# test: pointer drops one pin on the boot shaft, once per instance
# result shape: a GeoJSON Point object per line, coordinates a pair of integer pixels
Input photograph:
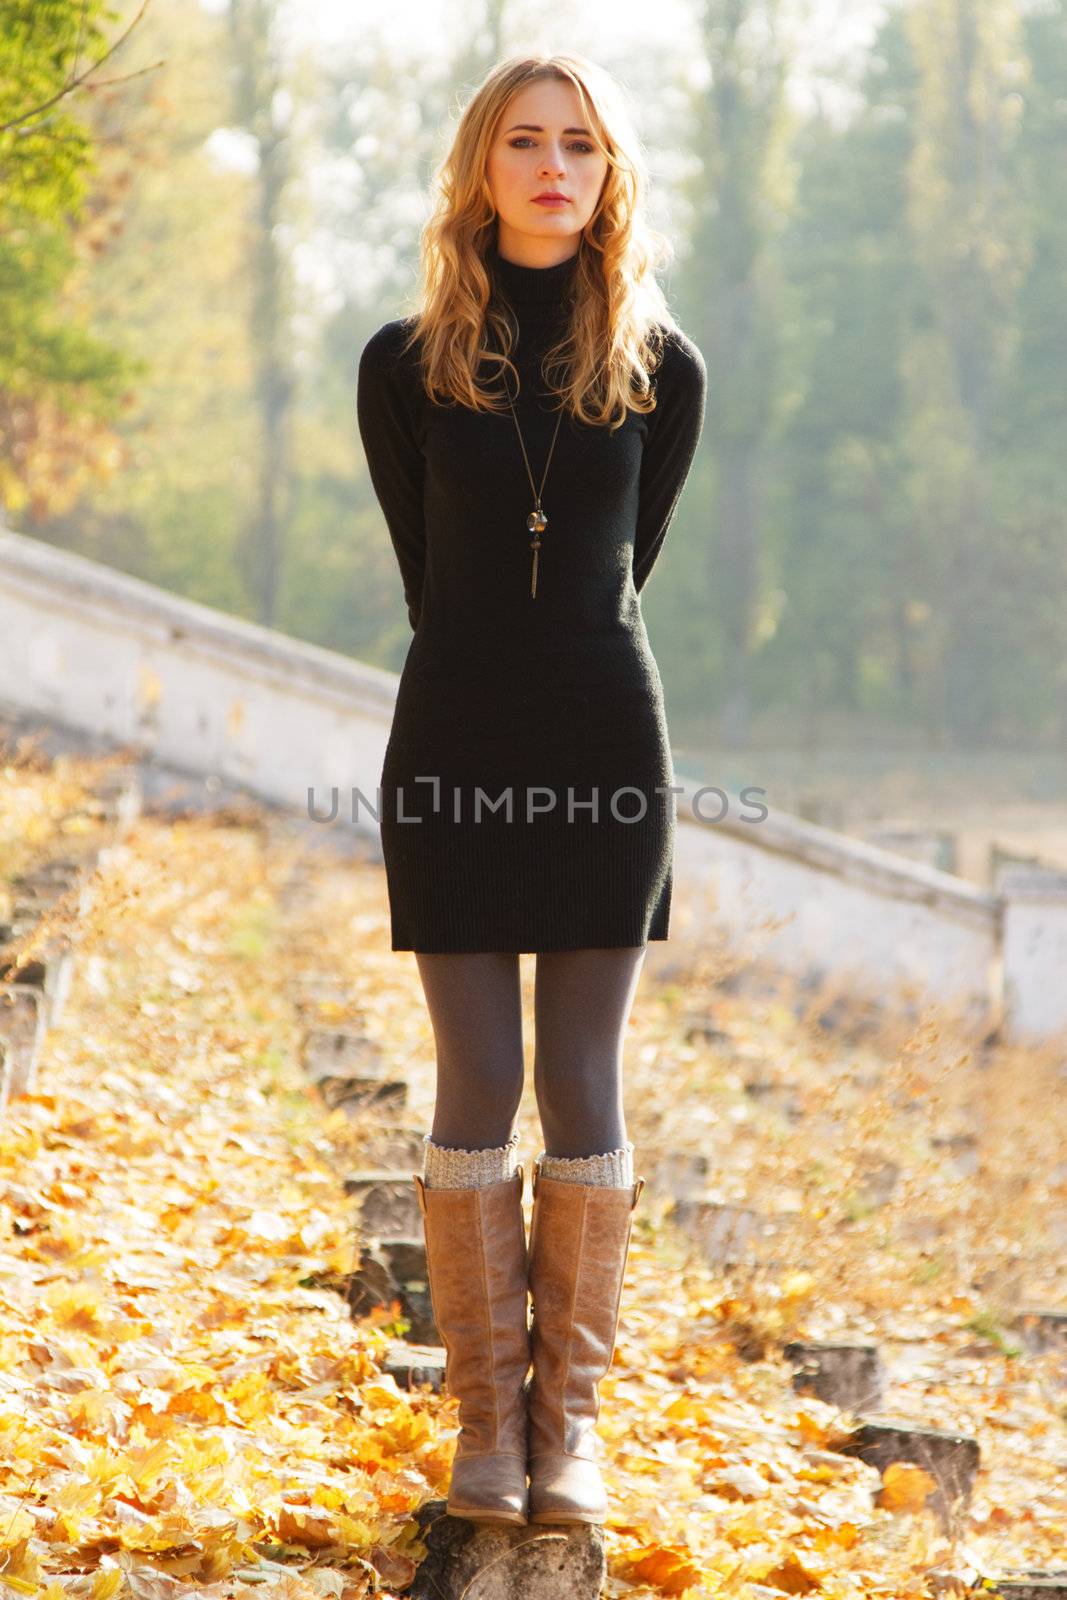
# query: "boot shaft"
{"type": "Point", "coordinates": [476, 1262]}
{"type": "Point", "coordinates": [579, 1244]}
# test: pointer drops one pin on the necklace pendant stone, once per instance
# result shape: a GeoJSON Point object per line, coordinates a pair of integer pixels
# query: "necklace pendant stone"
{"type": "Point", "coordinates": [537, 522]}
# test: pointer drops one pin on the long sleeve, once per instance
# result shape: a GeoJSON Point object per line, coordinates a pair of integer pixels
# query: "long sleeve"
{"type": "Point", "coordinates": [386, 398]}
{"type": "Point", "coordinates": [673, 433]}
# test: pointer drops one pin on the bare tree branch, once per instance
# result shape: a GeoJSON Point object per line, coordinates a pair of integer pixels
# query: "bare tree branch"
{"type": "Point", "coordinates": [75, 83]}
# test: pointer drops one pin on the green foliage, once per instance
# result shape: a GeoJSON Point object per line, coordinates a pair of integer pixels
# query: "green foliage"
{"type": "Point", "coordinates": [871, 543]}
{"type": "Point", "coordinates": [45, 152]}
{"type": "Point", "coordinates": [54, 373]}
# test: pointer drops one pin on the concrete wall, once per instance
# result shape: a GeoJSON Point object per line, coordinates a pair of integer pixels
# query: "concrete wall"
{"type": "Point", "coordinates": [820, 904]}
{"type": "Point", "coordinates": [197, 690]}
{"type": "Point", "coordinates": [1035, 952]}
{"type": "Point", "coordinates": [201, 691]}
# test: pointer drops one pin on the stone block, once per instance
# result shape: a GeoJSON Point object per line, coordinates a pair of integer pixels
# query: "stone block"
{"type": "Point", "coordinates": [22, 1029]}
{"type": "Point", "coordinates": [723, 1232]}
{"type": "Point", "coordinates": [341, 1053]}
{"type": "Point", "coordinates": [780, 1097]}
{"type": "Point", "coordinates": [388, 1203]}
{"type": "Point", "coordinates": [413, 1365]}
{"type": "Point", "coordinates": [950, 1458]}
{"type": "Point", "coordinates": [1029, 1583]}
{"type": "Point", "coordinates": [355, 1096]}
{"type": "Point", "coordinates": [391, 1147]}
{"type": "Point", "coordinates": [1043, 1328]}
{"type": "Point", "coordinates": [483, 1561]}
{"type": "Point", "coordinates": [394, 1270]}
{"type": "Point", "coordinates": [961, 1149]}
{"type": "Point", "coordinates": [698, 1029]}
{"type": "Point", "coordinates": [849, 1376]}
{"type": "Point", "coordinates": [50, 974]}
{"type": "Point", "coordinates": [682, 1176]}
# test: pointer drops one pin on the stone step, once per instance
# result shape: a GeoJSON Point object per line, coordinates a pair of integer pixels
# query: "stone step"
{"type": "Point", "coordinates": [358, 1095]}
{"type": "Point", "coordinates": [388, 1203]}
{"type": "Point", "coordinates": [32, 997]}
{"type": "Point", "coordinates": [682, 1176]}
{"type": "Point", "coordinates": [55, 875]}
{"type": "Point", "coordinates": [341, 1053]}
{"type": "Point", "coordinates": [877, 1180]}
{"type": "Point", "coordinates": [394, 1270]}
{"type": "Point", "coordinates": [700, 1029]}
{"type": "Point", "coordinates": [499, 1562]}
{"type": "Point", "coordinates": [725, 1233]}
{"type": "Point", "coordinates": [843, 1374]}
{"type": "Point", "coordinates": [413, 1365]}
{"type": "Point", "coordinates": [315, 990]}
{"type": "Point", "coordinates": [962, 1150]}
{"type": "Point", "coordinates": [394, 1148]}
{"type": "Point", "coordinates": [44, 884]}
{"type": "Point", "coordinates": [1042, 1328]}
{"type": "Point", "coordinates": [950, 1458]}
{"type": "Point", "coordinates": [50, 974]}
{"type": "Point", "coordinates": [117, 796]}
{"type": "Point", "coordinates": [778, 1096]}
{"type": "Point", "coordinates": [22, 1026]}
{"type": "Point", "coordinates": [1029, 1583]}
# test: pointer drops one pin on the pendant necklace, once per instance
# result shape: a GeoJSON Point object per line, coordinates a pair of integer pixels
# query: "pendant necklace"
{"type": "Point", "coordinates": [536, 522]}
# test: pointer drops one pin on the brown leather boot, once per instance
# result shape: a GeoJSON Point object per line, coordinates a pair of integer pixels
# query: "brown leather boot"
{"type": "Point", "coordinates": [579, 1242]}
{"type": "Point", "coordinates": [476, 1263]}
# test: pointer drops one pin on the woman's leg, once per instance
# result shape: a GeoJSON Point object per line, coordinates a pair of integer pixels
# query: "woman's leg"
{"type": "Point", "coordinates": [470, 1196]}
{"type": "Point", "coordinates": [584, 1200]}
{"type": "Point", "coordinates": [475, 1005]}
{"type": "Point", "coordinates": [582, 1001]}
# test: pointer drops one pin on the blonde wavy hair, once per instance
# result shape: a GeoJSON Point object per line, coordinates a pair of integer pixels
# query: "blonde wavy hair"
{"type": "Point", "coordinates": [613, 344]}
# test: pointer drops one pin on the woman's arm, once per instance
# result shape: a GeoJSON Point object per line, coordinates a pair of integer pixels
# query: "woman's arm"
{"type": "Point", "coordinates": [673, 432]}
{"type": "Point", "coordinates": [386, 397]}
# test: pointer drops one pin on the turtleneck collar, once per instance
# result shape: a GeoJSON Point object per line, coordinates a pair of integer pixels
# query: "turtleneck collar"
{"type": "Point", "coordinates": [531, 285]}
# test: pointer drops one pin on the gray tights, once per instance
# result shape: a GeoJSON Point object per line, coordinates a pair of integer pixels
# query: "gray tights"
{"type": "Point", "coordinates": [582, 1000]}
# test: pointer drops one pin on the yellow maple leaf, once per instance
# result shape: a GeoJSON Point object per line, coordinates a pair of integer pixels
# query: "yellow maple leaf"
{"type": "Point", "coordinates": [670, 1567]}
{"type": "Point", "coordinates": [905, 1487]}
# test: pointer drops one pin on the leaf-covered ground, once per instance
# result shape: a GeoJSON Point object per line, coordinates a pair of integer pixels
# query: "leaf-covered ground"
{"type": "Point", "coordinates": [179, 1406]}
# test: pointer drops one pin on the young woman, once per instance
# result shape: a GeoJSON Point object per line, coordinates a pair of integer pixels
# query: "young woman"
{"type": "Point", "coordinates": [528, 433]}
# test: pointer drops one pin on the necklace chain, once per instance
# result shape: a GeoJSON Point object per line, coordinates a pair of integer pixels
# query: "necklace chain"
{"type": "Point", "coordinates": [536, 522]}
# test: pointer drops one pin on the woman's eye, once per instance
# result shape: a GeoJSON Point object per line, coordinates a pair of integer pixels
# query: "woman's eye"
{"type": "Point", "coordinates": [581, 147]}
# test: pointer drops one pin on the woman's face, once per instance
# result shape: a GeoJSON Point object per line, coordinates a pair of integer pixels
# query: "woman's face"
{"type": "Point", "coordinates": [543, 145]}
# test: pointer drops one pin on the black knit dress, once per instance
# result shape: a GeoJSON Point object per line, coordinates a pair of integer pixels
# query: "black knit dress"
{"type": "Point", "coordinates": [525, 794]}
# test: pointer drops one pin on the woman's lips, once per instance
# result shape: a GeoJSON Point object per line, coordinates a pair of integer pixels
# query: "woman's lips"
{"type": "Point", "coordinates": [547, 202]}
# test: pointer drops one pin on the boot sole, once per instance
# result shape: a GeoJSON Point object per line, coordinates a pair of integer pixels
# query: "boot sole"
{"type": "Point", "coordinates": [556, 1519]}
{"type": "Point", "coordinates": [474, 1514]}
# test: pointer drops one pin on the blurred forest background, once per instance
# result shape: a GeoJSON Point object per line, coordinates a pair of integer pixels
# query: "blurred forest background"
{"type": "Point", "coordinates": [868, 573]}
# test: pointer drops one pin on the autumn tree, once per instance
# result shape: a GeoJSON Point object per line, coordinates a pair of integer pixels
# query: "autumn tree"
{"type": "Point", "coordinates": [61, 386]}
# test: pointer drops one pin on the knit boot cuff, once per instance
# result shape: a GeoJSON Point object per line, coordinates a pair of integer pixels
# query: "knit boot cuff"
{"type": "Point", "coordinates": [615, 1168]}
{"type": "Point", "coordinates": [446, 1168]}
